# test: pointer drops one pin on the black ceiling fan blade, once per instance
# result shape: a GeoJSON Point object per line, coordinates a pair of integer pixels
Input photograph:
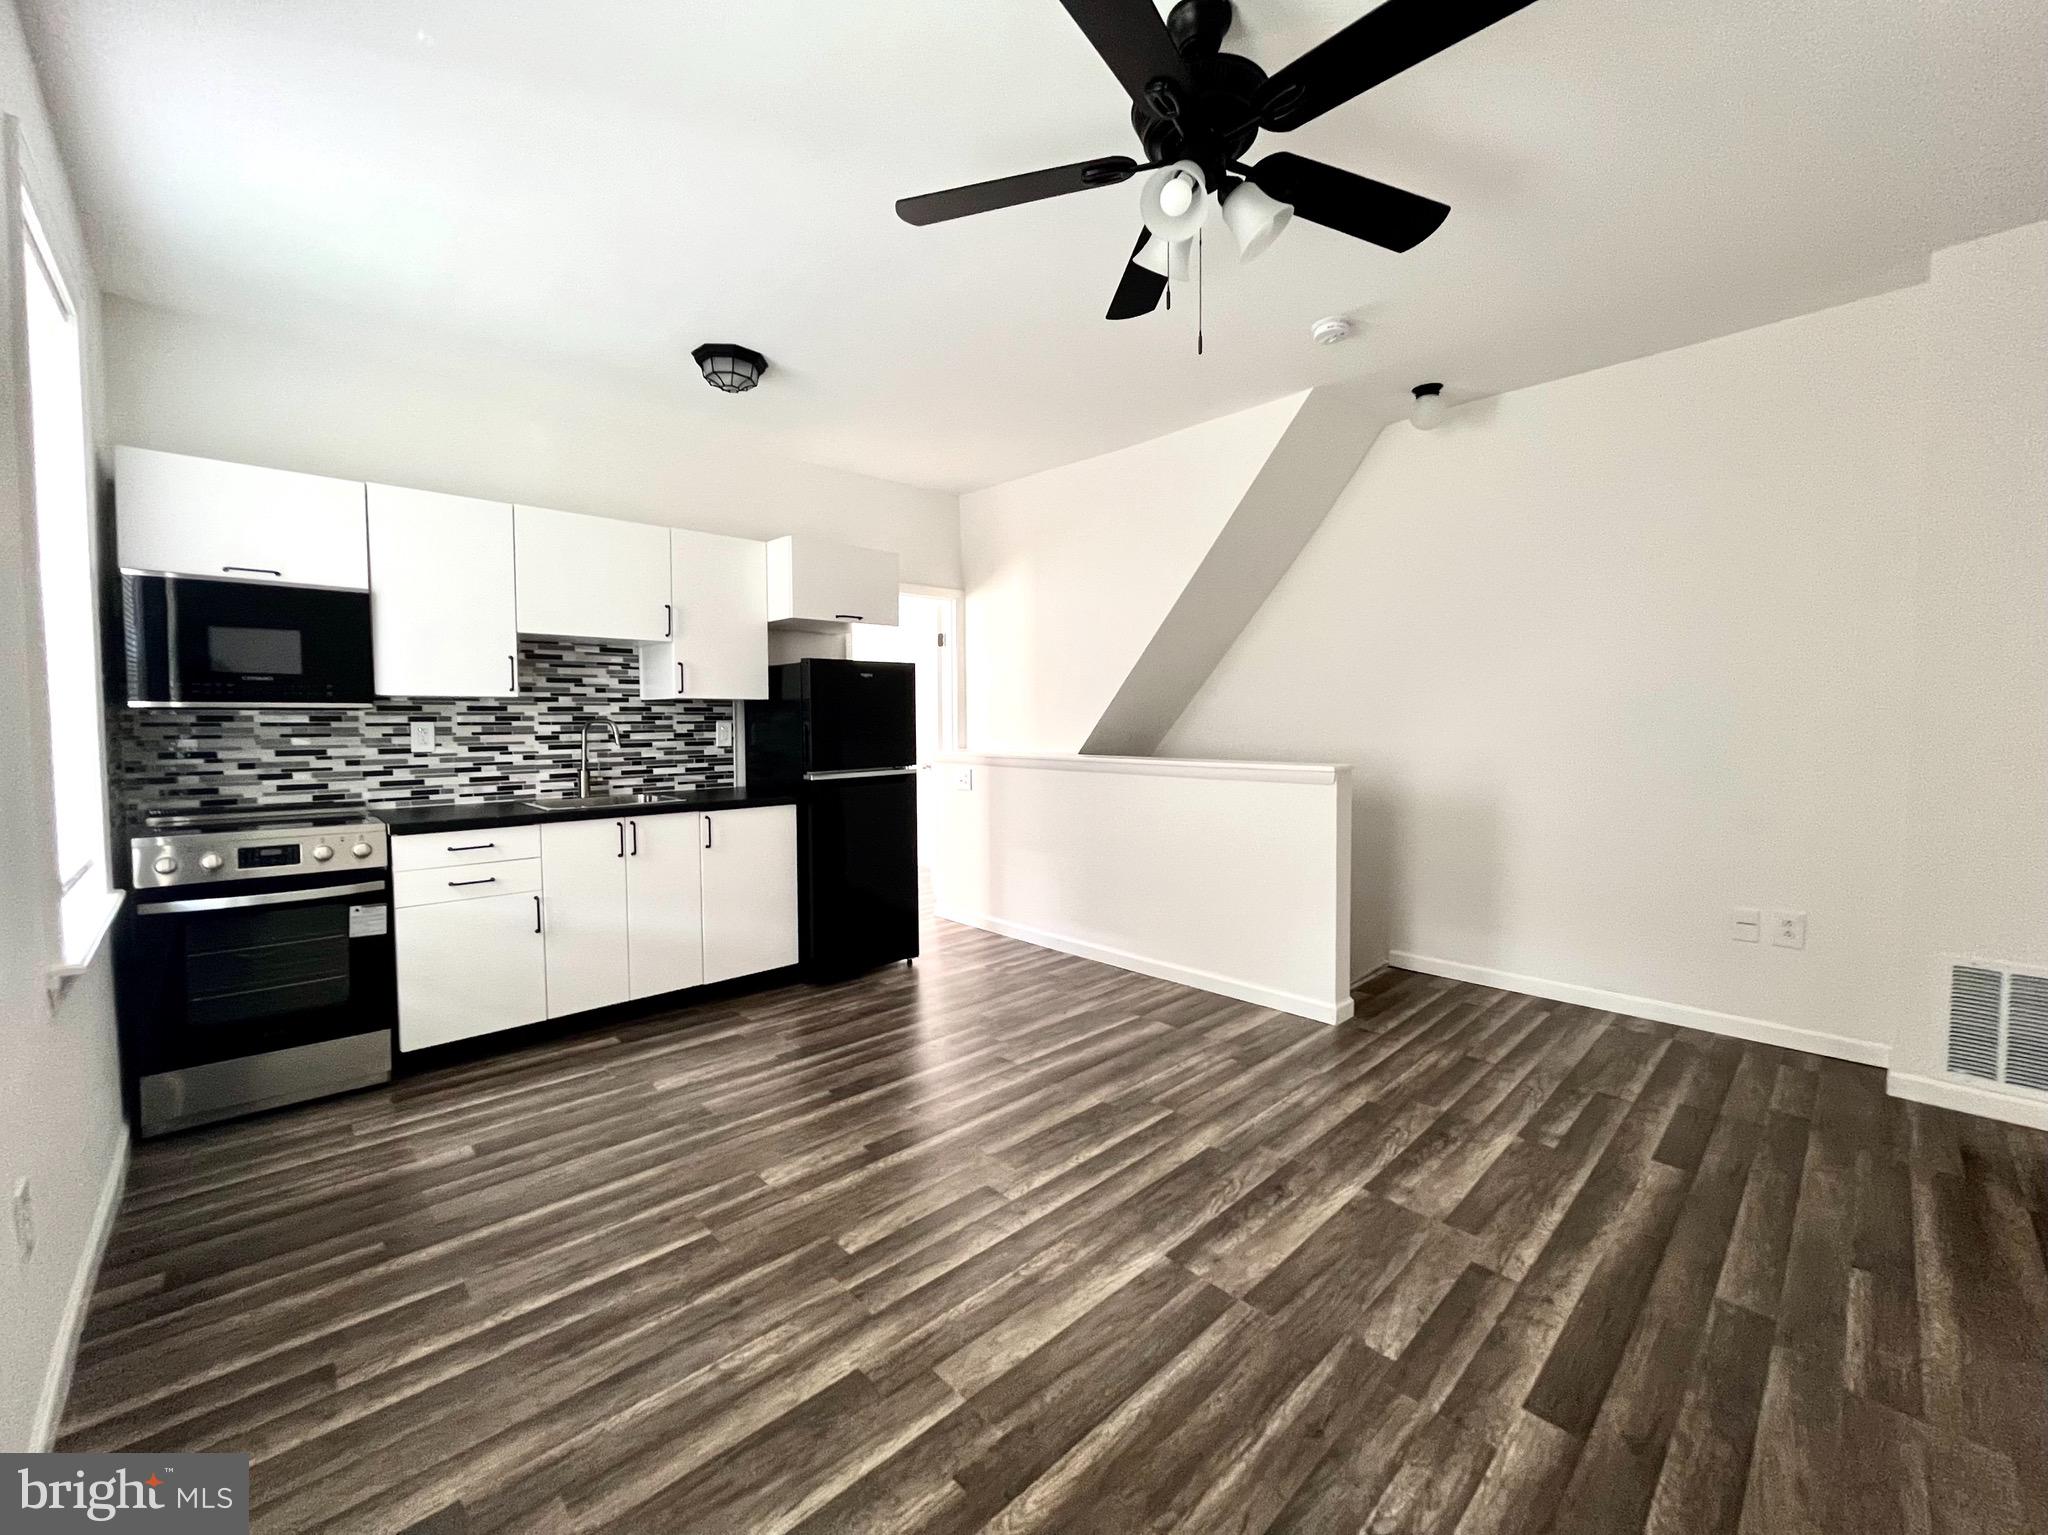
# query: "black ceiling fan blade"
{"type": "Point", "coordinates": [1134, 43]}
{"type": "Point", "coordinates": [1348, 203]}
{"type": "Point", "coordinates": [1140, 290]}
{"type": "Point", "coordinates": [1397, 35]}
{"type": "Point", "coordinates": [1031, 187]}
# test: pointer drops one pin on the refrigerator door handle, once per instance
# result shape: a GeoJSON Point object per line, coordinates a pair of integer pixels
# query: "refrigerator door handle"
{"type": "Point", "coordinates": [895, 772]}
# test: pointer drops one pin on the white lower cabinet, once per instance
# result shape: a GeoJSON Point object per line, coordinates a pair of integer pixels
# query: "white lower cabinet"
{"type": "Point", "coordinates": [583, 883]}
{"type": "Point", "coordinates": [610, 910]}
{"type": "Point", "coordinates": [469, 967]}
{"type": "Point", "coordinates": [664, 904]}
{"type": "Point", "coordinates": [749, 879]}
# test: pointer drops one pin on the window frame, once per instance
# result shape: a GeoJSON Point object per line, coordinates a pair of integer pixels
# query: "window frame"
{"type": "Point", "coordinates": [83, 899]}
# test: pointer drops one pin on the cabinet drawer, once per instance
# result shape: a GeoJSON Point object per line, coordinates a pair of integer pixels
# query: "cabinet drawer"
{"type": "Point", "coordinates": [431, 887]}
{"type": "Point", "coordinates": [449, 850]}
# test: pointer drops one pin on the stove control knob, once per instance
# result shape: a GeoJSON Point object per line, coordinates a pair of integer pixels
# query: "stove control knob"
{"type": "Point", "coordinates": [322, 852]}
{"type": "Point", "coordinates": [167, 865]}
{"type": "Point", "coordinates": [210, 862]}
{"type": "Point", "coordinates": [361, 850]}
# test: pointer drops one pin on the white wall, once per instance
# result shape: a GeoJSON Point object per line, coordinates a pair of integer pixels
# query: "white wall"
{"type": "Point", "coordinates": [1231, 877]}
{"type": "Point", "coordinates": [60, 1115]}
{"type": "Point", "coordinates": [1977, 876]}
{"type": "Point", "coordinates": [1071, 571]}
{"type": "Point", "coordinates": [1614, 655]}
{"type": "Point", "coordinates": [377, 408]}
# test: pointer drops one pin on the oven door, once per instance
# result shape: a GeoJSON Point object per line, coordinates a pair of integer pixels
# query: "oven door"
{"type": "Point", "coordinates": [235, 1002]}
{"type": "Point", "coordinates": [193, 641]}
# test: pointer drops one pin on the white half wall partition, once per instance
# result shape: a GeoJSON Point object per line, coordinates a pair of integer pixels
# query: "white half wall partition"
{"type": "Point", "coordinates": [1233, 877]}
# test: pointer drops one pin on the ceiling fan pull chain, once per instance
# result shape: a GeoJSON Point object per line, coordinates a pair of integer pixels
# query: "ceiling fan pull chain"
{"type": "Point", "coordinates": [1199, 295]}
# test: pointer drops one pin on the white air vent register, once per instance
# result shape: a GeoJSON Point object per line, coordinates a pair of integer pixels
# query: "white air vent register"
{"type": "Point", "coordinates": [1998, 1023]}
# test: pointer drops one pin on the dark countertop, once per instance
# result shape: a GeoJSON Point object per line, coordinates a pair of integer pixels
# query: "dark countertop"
{"type": "Point", "coordinates": [468, 815]}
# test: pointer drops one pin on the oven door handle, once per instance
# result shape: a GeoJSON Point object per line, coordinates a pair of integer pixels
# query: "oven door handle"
{"type": "Point", "coordinates": [274, 898]}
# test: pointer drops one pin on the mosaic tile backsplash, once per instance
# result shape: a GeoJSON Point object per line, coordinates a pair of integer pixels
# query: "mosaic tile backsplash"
{"type": "Point", "coordinates": [170, 760]}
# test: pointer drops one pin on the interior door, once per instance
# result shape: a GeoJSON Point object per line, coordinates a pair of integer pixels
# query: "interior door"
{"type": "Point", "coordinates": [583, 889]}
{"type": "Point", "coordinates": [664, 903]}
{"type": "Point", "coordinates": [927, 636]}
{"type": "Point", "coordinates": [750, 904]}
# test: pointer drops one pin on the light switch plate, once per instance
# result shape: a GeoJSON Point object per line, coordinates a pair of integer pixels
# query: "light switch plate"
{"type": "Point", "coordinates": [723, 734]}
{"type": "Point", "coordinates": [1745, 924]}
{"type": "Point", "coordinates": [422, 735]}
{"type": "Point", "coordinates": [1788, 929]}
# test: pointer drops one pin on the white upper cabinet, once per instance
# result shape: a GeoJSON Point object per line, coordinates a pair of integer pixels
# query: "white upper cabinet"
{"type": "Point", "coordinates": [441, 595]}
{"type": "Point", "coordinates": [592, 577]}
{"type": "Point", "coordinates": [813, 582]}
{"type": "Point", "coordinates": [183, 516]}
{"type": "Point", "coordinates": [720, 646]}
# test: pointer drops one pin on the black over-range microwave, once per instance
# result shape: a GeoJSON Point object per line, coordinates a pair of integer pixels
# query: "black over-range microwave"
{"type": "Point", "coordinates": [192, 641]}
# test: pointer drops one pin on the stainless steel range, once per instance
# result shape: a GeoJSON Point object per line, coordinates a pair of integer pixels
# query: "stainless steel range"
{"type": "Point", "coordinates": [255, 962]}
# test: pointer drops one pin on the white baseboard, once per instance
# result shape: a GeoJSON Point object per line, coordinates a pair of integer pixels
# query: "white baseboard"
{"type": "Point", "coordinates": [1757, 1030]}
{"type": "Point", "coordinates": [1969, 1098]}
{"type": "Point", "coordinates": [1161, 970]}
{"type": "Point", "coordinates": [57, 1376]}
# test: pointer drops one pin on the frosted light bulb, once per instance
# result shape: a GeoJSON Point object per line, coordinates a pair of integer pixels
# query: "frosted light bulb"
{"type": "Point", "coordinates": [1428, 413]}
{"type": "Point", "coordinates": [1176, 197]}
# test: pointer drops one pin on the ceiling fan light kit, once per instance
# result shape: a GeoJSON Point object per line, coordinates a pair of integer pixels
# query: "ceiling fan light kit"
{"type": "Point", "coordinates": [1253, 218]}
{"type": "Point", "coordinates": [1175, 201]}
{"type": "Point", "coordinates": [1197, 111]}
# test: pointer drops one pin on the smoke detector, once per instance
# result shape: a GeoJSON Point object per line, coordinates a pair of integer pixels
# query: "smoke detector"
{"type": "Point", "coordinates": [1330, 330]}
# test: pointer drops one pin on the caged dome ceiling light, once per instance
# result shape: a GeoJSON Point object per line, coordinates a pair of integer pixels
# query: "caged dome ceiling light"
{"type": "Point", "coordinates": [728, 368]}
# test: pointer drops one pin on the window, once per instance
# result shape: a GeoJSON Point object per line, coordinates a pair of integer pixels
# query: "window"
{"type": "Point", "coordinates": [59, 442]}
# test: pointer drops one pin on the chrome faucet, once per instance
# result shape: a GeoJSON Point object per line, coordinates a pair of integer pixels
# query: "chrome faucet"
{"type": "Point", "coordinates": [583, 770]}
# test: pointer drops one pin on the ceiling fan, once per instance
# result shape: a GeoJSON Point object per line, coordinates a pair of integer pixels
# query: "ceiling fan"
{"type": "Point", "coordinates": [1197, 110]}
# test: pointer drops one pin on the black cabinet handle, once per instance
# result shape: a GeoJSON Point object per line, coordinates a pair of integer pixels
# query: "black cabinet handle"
{"type": "Point", "coordinates": [679, 676]}
{"type": "Point", "coordinates": [512, 670]}
{"type": "Point", "coordinates": [707, 831]}
{"type": "Point", "coordinates": [636, 837]}
{"type": "Point", "coordinates": [859, 618]}
{"type": "Point", "coordinates": [536, 914]}
{"type": "Point", "coordinates": [668, 621]}
{"type": "Point", "coordinates": [250, 570]}
{"type": "Point", "coordinates": [470, 847]}
{"type": "Point", "coordinates": [621, 825]}
{"type": "Point", "coordinates": [454, 884]}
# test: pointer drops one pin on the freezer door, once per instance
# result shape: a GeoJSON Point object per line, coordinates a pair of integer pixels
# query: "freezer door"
{"type": "Point", "coordinates": [863, 714]}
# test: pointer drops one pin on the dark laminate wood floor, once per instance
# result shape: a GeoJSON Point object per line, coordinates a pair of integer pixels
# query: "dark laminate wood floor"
{"type": "Point", "coordinates": [1017, 1242]}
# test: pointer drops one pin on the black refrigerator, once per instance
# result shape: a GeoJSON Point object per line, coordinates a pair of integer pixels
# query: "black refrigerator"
{"type": "Point", "coordinates": [843, 736]}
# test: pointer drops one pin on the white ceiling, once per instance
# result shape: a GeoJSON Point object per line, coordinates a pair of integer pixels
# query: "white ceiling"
{"type": "Point", "coordinates": [608, 184]}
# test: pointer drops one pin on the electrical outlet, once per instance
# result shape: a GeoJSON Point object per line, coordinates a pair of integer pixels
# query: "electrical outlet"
{"type": "Point", "coordinates": [1788, 929]}
{"type": "Point", "coordinates": [422, 735]}
{"type": "Point", "coordinates": [723, 734]}
{"type": "Point", "coordinates": [963, 778]}
{"type": "Point", "coordinates": [1745, 924]}
{"type": "Point", "coordinates": [24, 1220]}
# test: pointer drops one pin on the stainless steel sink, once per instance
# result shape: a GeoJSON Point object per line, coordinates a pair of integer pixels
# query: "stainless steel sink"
{"type": "Point", "coordinates": [606, 801]}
